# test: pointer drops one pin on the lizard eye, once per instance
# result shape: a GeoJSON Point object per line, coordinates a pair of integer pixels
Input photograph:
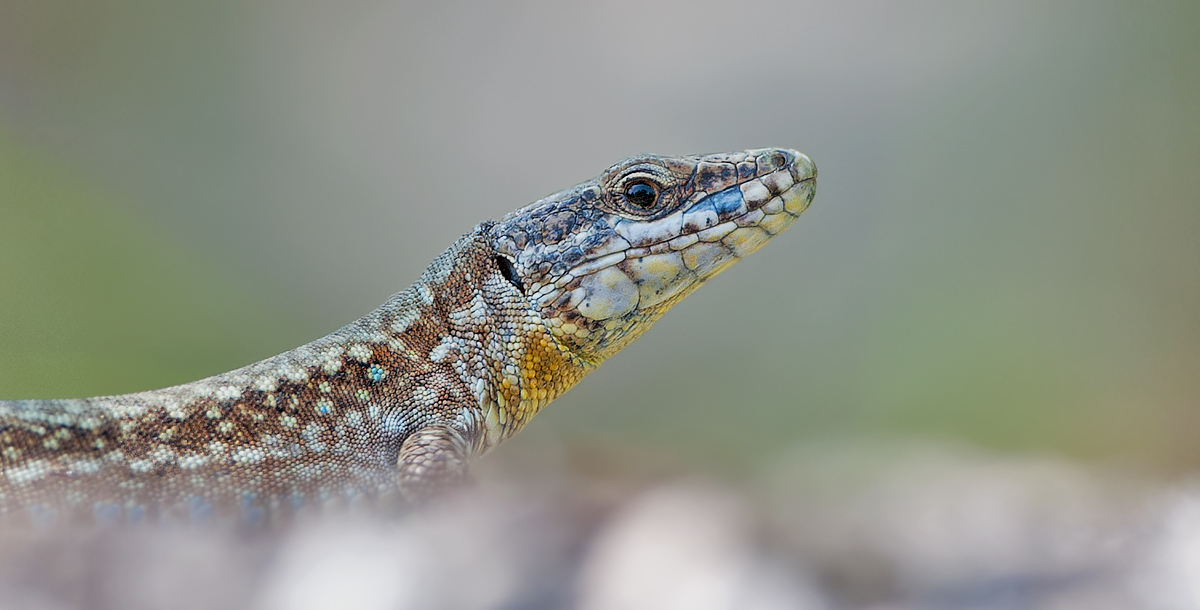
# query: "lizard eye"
{"type": "Point", "coordinates": [509, 273]}
{"type": "Point", "coordinates": [641, 194]}
{"type": "Point", "coordinates": [642, 189]}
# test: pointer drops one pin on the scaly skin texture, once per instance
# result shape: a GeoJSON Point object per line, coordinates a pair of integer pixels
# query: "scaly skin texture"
{"type": "Point", "coordinates": [512, 315]}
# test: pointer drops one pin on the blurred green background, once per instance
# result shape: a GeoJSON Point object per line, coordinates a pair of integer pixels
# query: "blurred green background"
{"type": "Point", "coordinates": [1004, 248]}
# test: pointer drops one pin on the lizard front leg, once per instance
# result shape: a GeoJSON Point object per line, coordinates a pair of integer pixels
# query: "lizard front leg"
{"type": "Point", "coordinates": [432, 460]}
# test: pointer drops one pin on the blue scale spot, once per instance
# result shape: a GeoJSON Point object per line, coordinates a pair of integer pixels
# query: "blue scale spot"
{"type": "Point", "coordinates": [726, 201]}
{"type": "Point", "coordinates": [376, 373]}
{"type": "Point", "coordinates": [705, 205]}
{"type": "Point", "coordinates": [136, 514]}
{"type": "Point", "coordinates": [323, 407]}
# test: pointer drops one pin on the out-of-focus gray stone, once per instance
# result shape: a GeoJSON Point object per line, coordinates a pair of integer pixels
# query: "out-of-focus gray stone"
{"type": "Point", "coordinates": [942, 523]}
{"type": "Point", "coordinates": [687, 547]}
{"type": "Point", "coordinates": [854, 526]}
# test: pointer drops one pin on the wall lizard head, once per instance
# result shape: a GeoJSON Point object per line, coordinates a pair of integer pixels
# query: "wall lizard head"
{"type": "Point", "coordinates": [578, 275]}
{"type": "Point", "coordinates": [602, 261]}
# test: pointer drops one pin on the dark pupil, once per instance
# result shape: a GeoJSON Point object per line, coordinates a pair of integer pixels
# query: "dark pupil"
{"type": "Point", "coordinates": [641, 194]}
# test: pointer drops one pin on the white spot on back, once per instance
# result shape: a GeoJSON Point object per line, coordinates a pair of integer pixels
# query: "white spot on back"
{"type": "Point", "coordinates": [266, 383]}
{"type": "Point", "coordinates": [394, 424]}
{"type": "Point", "coordinates": [248, 455]}
{"type": "Point", "coordinates": [331, 360]}
{"type": "Point", "coordinates": [360, 352]}
{"type": "Point", "coordinates": [439, 352]}
{"type": "Point", "coordinates": [163, 454]}
{"type": "Point", "coordinates": [424, 293]}
{"type": "Point", "coordinates": [192, 461]}
{"type": "Point", "coordinates": [479, 308]}
{"type": "Point", "coordinates": [312, 434]}
{"type": "Point", "coordinates": [85, 467]}
{"type": "Point", "coordinates": [424, 397]}
{"type": "Point", "coordinates": [404, 319]}
{"type": "Point", "coordinates": [295, 374]}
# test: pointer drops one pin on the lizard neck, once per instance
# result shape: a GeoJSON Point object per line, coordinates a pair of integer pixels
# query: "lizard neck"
{"type": "Point", "coordinates": [497, 343]}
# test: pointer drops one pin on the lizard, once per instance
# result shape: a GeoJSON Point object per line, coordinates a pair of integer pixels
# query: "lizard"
{"type": "Point", "coordinates": [393, 406]}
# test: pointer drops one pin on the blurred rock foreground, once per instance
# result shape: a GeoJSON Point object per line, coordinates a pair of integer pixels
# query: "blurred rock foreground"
{"type": "Point", "coordinates": [892, 526]}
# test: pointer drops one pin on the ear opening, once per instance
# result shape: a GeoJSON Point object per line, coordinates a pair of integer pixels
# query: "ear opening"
{"type": "Point", "coordinates": [509, 272]}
